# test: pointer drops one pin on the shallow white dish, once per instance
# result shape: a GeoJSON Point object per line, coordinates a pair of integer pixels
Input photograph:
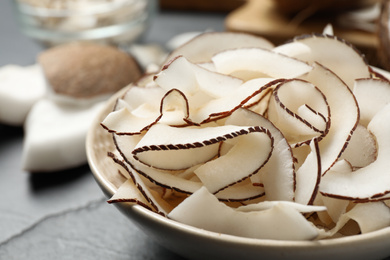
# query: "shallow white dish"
{"type": "Point", "coordinates": [195, 243]}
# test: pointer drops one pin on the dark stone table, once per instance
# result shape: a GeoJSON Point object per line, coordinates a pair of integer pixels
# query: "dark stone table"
{"type": "Point", "coordinates": [64, 215]}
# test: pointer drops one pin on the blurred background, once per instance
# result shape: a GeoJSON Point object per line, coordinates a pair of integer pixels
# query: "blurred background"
{"type": "Point", "coordinates": [361, 22]}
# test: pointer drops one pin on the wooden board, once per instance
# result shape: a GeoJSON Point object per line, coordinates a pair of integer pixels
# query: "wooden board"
{"type": "Point", "coordinates": [261, 17]}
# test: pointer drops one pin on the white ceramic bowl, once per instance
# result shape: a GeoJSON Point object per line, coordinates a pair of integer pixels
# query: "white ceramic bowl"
{"type": "Point", "coordinates": [195, 243]}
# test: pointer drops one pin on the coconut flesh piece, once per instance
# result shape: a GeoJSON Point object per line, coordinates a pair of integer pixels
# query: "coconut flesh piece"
{"type": "Point", "coordinates": [169, 179]}
{"type": "Point", "coordinates": [191, 78]}
{"type": "Point", "coordinates": [371, 95]}
{"type": "Point", "coordinates": [131, 115]}
{"type": "Point", "coordinates": [20, 88]}
{"type": "Point", "coordinates": [187, 146]}
{"type": "Point", "coordinates": [308, 176]}
{"type": "Point", "coordinates": [278, 175]}
{"type": "Point", "coordinates": [144, 196]}
{"type": "Point", "coordinates": [264, 205]}
{"type": "Point", "coordinates": [344, 113]}
{"type": "Point", "coordinates": [241, 191]}
{"type": "Point", "coordinates": [368, 183]}
{"type": "Point", "coordinates": [244, 63]}
{"type": "Point", "coordinates": [177, 180]}
{"type": "Point", "coordinates": [128, 192]}
{"type": "Point", "coordinates": [299, 110]}
{"type": "Point", "coordinates": [362, 149]}
{"type": "Point", "coordinates": [173, 110]}
{"type": "Point", "coordinates": [340, 57]}
{"type": "Point", "coordinates": [55, 135]}
{"type": "Point", "coordinates": [363, 214]}
{"type": "Point", "coordinates": [252, 150]}
{"type": "Point", "coordinates": [165, 178]}
{"type": "Point", "coordinates": [335, 207]}
{"type": "Point", "coordinates": [203, 210]}
{"type": "Point", "coordinates": [248, 93]}
{"type": "Point", "coordinates": [202, 47]}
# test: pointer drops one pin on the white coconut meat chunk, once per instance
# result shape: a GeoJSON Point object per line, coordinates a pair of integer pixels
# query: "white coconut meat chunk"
{"type": "Point", "coordinates": [55, 135]}
{"type": "Point", "coordinates": [202, 47]}
{"type": "Point", "coordinates": [165, 178]}
{"type": "Point", "coordinates": [362, 149]}
{"type": "Point", "coordinates": [278, 175]}
{"type": "Point", "coordinates": [191, 78]}
{"type": "Point", "coordinates": [249, 153]}
{"type": "Point", "coordinates": [340, 57]}
{"type": "Point", "coordinates": [344, 113]}
{"type": "Point", "coordinates": [257, 62]}
{"type": "Point", "coordinates": [308, 176]}
{"type": "Point", "coordinates": [371, 182]}
{"type": "Point", "coordinates": [299, 110]}
{"type": "Point", "coordinates": [371, 95]}
{"type": "Point", "coordinates": [20, 88]}
{"type": "Point", "coordinates": [203, 210]}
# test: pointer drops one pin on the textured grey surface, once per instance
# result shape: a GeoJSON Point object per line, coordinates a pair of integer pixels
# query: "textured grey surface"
{"type": "Point", "coordinates": [63, 215]}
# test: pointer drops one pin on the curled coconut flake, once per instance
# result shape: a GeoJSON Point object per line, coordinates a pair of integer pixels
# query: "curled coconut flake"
{"type": "Point", "coordinates": [133, 112]}
{"type": "Point", "coordinates": [175, 148]}
{"type": "Point", "coordinates": [344, 113]}
{"type": "Point", "coordinates": [191, 78]}
{"type": "Point", "coordinates": [128, 192]}
{"type": "Point", "coordinates": [249, 153]}
{"type": "Point", "coordinates": [247, 94]}
{"type": "Point", "coordinates": [203, 210]}
{"type": "Point", "coordinates": [362, 148]}
{"type": "Point", "coordinates": [278, 175]}
{"type": "Point", "coordinates": [244, 63]}
{"type": "Point", "coordinates": [340, 57]}
{"type": "Point", "coordinates": [241, 191]}
{"type": "Point", "coordinates": [371, 95]}
{"type": "Point", "coordinates": [165, 178]}
{"type": "Point", "coordinates": [144, 197]}
{"type": "Point", "coordinates": [308, 176]}
{"type": "Point", "coordinates": [363, 214]}
{"type": "Point", "coordinates": [202, 47]}
{"type": "Point", "coordinates": [368, 183]}
{"type": "Point", "coordinates": [299, 110]}
{"type": "Point", "coordinates": [269, 204]}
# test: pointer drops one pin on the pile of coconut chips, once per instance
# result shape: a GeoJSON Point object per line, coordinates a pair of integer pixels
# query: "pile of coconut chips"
{"type": "Point", "coordinates": [237, 136]}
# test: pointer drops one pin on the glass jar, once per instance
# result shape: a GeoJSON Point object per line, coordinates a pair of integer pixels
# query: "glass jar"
{"type": "Point", "coordinates": [117, 22]}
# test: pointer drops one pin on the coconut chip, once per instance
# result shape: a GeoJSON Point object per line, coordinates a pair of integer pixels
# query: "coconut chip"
{"type": "Point", "coordinates": [259, 142]}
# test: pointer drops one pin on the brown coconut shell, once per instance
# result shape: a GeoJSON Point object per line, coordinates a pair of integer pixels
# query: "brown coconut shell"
{"type": "Point", "coordinates": [85, 70]}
